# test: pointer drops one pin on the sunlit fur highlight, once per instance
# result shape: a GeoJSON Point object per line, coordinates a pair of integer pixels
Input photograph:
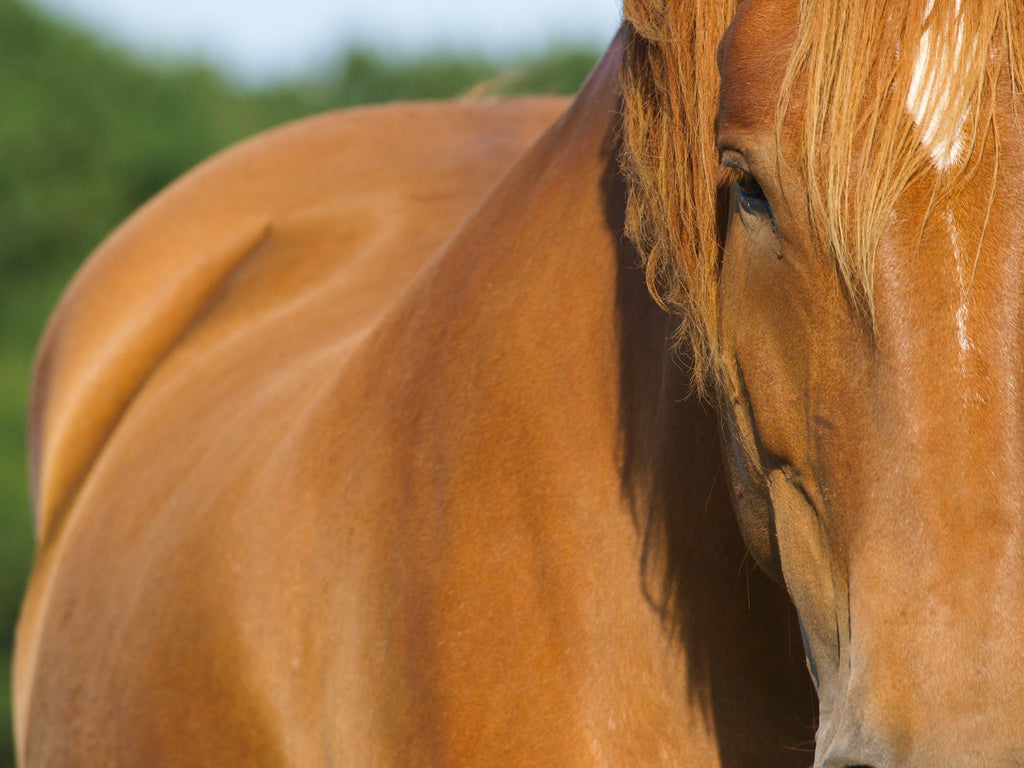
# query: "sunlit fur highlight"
{"type": "Point", "coordinates": [851, 67]}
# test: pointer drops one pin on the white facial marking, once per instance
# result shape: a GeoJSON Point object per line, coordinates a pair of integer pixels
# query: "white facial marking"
{"type": "Point", "coordinates": [962, 289]}
{"type": "Point", "coordinates": [929, 98]}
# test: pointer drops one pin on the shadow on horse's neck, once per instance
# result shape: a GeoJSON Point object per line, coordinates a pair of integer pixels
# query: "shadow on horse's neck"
{"type": "Point", "coordinates": [737, 628]}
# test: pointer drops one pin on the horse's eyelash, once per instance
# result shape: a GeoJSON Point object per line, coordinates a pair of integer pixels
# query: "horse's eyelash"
{"type": "Point", "coordinates": [728, 174]}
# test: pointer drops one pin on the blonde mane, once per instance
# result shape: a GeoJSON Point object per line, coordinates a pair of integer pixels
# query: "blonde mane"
{"type": "Point", "coordinates": [915, 108]}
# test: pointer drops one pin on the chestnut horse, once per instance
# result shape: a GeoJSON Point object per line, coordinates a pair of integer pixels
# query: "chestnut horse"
{"type": "Point", "coordinates": [366, 444]}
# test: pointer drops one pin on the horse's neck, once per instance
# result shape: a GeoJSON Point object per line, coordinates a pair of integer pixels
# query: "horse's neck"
{"type": "Point", "coordinates": [550, 400]}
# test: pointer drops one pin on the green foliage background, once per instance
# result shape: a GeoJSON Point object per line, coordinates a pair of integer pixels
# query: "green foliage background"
{"type": "Point", "coordinates": [88, 133]}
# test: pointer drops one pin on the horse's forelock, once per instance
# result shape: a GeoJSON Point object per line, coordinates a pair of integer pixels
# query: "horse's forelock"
{"type": "Point", "coordinates": [670, 98]}
{"type": "Point", "coordinates": [931, 67]}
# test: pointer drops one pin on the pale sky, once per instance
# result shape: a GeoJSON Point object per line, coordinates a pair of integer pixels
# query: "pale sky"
{"type": "Point", "coordinates": [266, 39]}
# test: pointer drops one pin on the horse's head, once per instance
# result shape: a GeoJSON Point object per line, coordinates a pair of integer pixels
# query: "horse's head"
{"type": "Point", "coordinates": [860, 311]}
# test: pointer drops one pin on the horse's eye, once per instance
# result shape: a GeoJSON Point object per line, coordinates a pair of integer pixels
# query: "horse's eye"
{"type": "Point", "coordinates": [751, 197]}
{"type": "Point", "coordinates": [748, 186]}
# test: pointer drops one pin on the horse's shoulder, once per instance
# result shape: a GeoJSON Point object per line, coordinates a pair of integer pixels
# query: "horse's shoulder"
{"type": "Point", "coordinates": [389, 182]}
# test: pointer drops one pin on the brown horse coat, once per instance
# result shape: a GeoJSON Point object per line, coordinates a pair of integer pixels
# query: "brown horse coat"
{"type": "Point", "coordinates": [342, 459]}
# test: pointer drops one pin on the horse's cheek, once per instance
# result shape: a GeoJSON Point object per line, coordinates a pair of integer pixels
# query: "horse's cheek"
{"type": "Point", "coordinates": [751, 501]}
{"type": "Point", "coordinates": [810, 576]}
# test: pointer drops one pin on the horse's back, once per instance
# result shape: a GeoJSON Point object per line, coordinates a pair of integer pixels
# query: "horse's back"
{"type": "Point", "coordinates": [169, 389]}
{"type": "Point", "coordinates": [362, 198]}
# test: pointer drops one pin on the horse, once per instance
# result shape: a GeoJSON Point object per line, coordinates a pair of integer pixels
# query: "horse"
{"type": "Point", "coordinates": [370, 442]}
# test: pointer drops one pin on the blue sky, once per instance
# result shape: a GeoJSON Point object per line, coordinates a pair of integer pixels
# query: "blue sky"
{"type": "Point", "coordinates": [260, 40]}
